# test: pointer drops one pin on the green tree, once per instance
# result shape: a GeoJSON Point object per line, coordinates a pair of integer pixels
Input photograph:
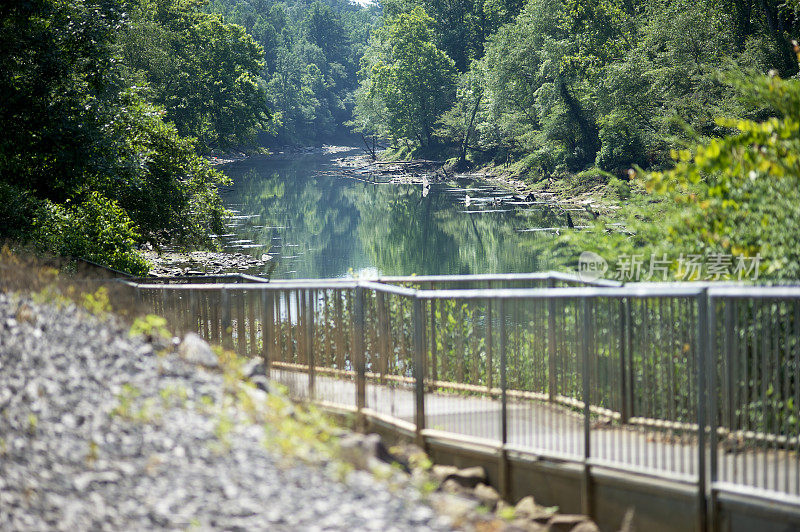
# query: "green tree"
{"type": "Point", "coordinates": [740, 194]}
{"type": "Point", "coordinates": [735, 195]}
{"type": "Point", "coordinates": [88, 166]}
{"type": "Point", "coordinates": [173, 45]}
{"type": "Point", "coordinates": [408, 76]}
{"type": "Point", "coordinates": [312, 53]}
{"type": "Point", "coordinates": [460, 121]}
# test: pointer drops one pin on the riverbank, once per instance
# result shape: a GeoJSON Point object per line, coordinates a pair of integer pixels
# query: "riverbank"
{"type": "Point", "coordinates": [178, 264]}
{"type": "Point", "coordinates": [587, 196]}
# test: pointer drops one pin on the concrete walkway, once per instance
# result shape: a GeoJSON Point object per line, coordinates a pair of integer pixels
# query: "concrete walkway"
{"type": "Point", "coordinates": [553, 430]}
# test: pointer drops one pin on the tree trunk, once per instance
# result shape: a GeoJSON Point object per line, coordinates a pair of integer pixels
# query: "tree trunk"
{"type": "Point", "coordinates": [467, 133]}
{"type": "Point", "coordinates": [588, 128]}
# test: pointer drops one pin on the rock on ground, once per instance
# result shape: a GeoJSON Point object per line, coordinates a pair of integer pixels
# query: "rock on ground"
{"type": "Point", "coordinates": [99, 432]}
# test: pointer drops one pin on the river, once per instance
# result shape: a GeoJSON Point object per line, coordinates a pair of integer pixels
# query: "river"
{"type": "Point", "coordinates": [315, 222]}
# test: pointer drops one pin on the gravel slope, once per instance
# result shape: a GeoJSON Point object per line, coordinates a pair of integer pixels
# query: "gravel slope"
{"type": "Point", "coordinates": [98, 432]}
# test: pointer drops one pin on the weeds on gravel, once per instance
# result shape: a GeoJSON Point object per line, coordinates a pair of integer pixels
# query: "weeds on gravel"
{"type": "Point", "coordinates": [128, 408]}
{"type": "Point", "coordinates": [125, 402]}
{"type": "Point", "coordinates": [33, 423]}
{"type": "Point", "coordinates": [150, 326]}
{"type": "Point", "coordinates": [94, 452]}
{"type": "Point", "coordinates": [173, 395]}
{"type": "Point", "coordinates": [97, 303]}
{"type": "Point", "coordinates": [222, 431]}
{"type": "Point", "coordinates": [59, 281]}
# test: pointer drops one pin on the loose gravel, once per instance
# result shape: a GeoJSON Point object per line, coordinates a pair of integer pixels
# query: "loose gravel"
{"type": "Point", "coordinates": [92, 438]}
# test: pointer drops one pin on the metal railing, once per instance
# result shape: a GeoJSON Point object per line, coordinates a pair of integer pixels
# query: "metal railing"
{"type": "Point", "coordinates": [699, 384]}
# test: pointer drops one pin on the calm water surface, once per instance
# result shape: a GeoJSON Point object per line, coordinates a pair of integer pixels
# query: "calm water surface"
{"type": "Point", "coordinates": [315, 222]}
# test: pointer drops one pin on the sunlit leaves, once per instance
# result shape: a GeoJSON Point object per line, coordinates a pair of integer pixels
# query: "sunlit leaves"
{"type": "Point", "coordinates": [407, 76]}
{"type": "Point", "coordinates": [746, 186]}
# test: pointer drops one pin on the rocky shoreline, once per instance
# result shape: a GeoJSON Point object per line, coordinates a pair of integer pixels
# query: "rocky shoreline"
{"type": "Point", "coordinates": [420, 171]}
{"type": "Point", "coordinates": [180, 264]}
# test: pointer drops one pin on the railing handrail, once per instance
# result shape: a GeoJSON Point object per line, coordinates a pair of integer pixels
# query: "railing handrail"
{"type": "Point", "coordinates": [488, 277]}
{"type": "Point", "coordinates": [694, 353]}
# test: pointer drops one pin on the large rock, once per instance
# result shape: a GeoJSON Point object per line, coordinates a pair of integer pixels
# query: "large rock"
{"type": "Point", "coordinates": [253, 368]}
{"type": "Point", "coordinates": [197, 351]}
{"type": "Point", "coordinates": [458, 508]}
{"type": "Point", "coordinates": [451, 486]}
{"type": "Point", "coordinates": [487, 495]}
{"type": "Point", "coordinates": [524, 525]}
{"type": "Point", "coordinates": [364, 450]}
{"type": "Point", "coordinates": [261, 382]}
{"type": "Point", "coordinates": [528, 509]}
{"type": "Point", "coordinates": [568, 522]}
{"type": "Point", "coordinates": [468, 477]}
{"type": "Point", "coordinates": [586, 526]}
{"type": "Point", "coordinates": [441, 472]}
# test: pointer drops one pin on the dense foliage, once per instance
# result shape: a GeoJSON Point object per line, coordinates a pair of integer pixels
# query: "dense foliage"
{"type": "Point", "coordinates": [202, 70]}
{"type": "Point", "coordinates": [90, 164]}
{"type": "Point", "coordinates": [728, 197]}
{"type": "Point", "coordinates": [564, 86]}
{"type": "Point", "coordinates": [312, 52]}
{"type": "Point", "coordinates": [410, 81]}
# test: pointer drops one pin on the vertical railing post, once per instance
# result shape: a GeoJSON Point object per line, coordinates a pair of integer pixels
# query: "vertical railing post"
{"type": "Point", "coordinates": [702, 359]}
{"type": "Point", "coordinates": [251, 320]}
{"type": "Point", "coordinates": [434, 365]}
{"type": "Point", "coordinates": [138, 298]}
{"type": "Point", "coordinates": [267, 302]}
{"type": "Point", "coordinates": [629, 366]}
{"type": "Point", "coordinates": [203, 314]}
{"type": "Point", "coordinates": [359, 358]}
{"type": "Point", "coordinates": [419, 371]}
{"type": "Point", "coordinates": [624, 357]}
{"type": "Point", "coordinates": [309, 341]}
{"type": "Point", "coordinates": [503, 465]}
{"type": "Point", "coordinates": [383, 335]}
{"type": "Point", "coordinates": [551, 345]}
{"type": "Point", "coordinates": [227, 330]}
{"type": "Point", "coordinates": [214, 304]}
{"type": "Point", "coordinates": [185, 309]}
{"type": "Point", "coordinates": [489, 346]}
{"type": "Point", "coordinates": [194, 313]}
{"type": "Point", "coordinates": [728, 362]}
{"type": "Point", "coordinates": [299, 328]}
{"type": "Point", "coordinates": [241, 336]}
{"type": "Point", "coordinates": [338, 326]}
{"type": "Point", "coordinates": [711, 398]}
{"type": "Point", "coordinates": [164, 307]}
{"type": "Point", "coordinates": [586, 341]}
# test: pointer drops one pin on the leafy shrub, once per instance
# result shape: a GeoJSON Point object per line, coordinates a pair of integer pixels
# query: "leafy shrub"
{"type": "Point", "coordinates": [96, 229]}
{"type": "Point", "coordinates": [151, 325]}
{"type": "Point", "coordinates": [621, 189]}
{"type": "Point", "coordinates": [16, 207]}
{"type": "Point", "coordinates": [621, 146]}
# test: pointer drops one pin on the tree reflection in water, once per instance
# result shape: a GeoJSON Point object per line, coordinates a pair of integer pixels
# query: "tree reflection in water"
{"type": "Point", "coordinates": [317, 223]}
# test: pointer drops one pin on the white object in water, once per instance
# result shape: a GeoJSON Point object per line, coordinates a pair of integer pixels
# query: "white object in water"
{"type": "Point", "coordinates": [467, 200]}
